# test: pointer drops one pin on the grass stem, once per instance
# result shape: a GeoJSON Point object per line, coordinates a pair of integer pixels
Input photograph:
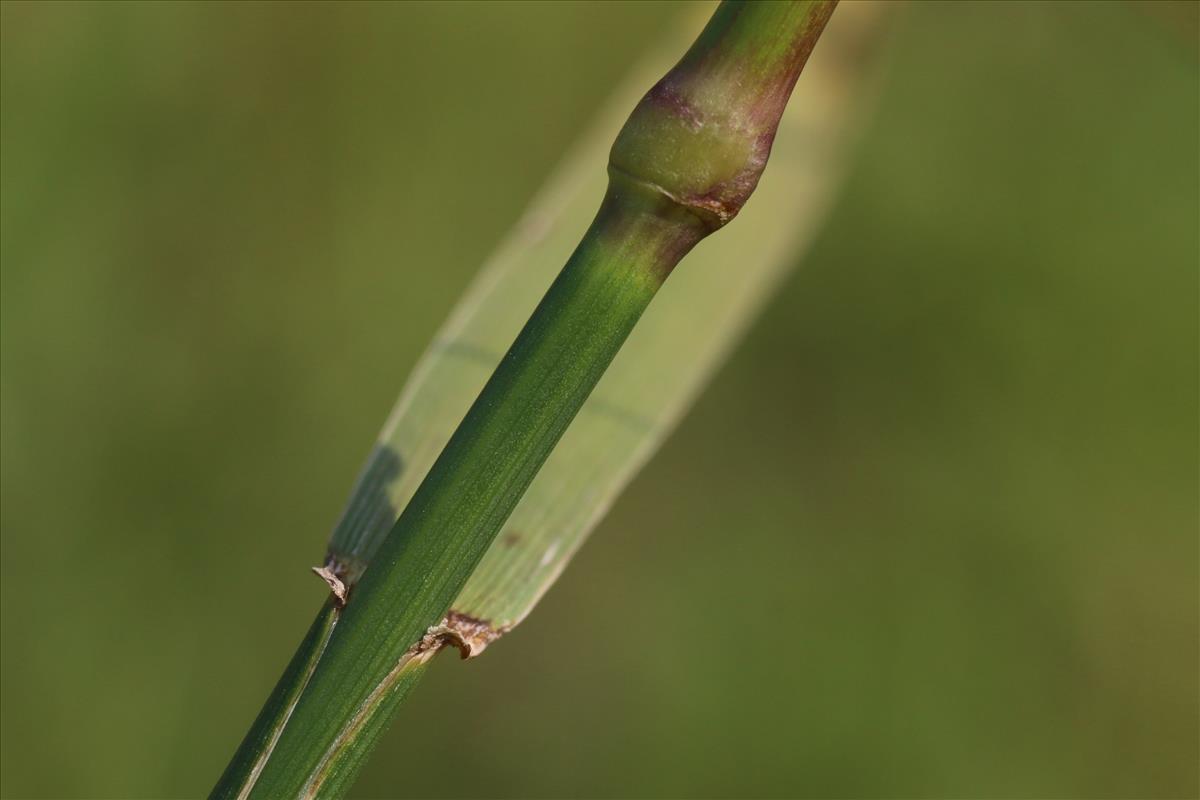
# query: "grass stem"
{"type": "Point", "coordinates": [687, 160]}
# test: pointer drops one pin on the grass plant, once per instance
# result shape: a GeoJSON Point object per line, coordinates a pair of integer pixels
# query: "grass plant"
{"type": "Point", "coordinates": [682, 167]}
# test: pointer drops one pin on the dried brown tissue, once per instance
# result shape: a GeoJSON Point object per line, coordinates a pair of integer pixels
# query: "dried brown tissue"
{"type": "Point", "coordinates": [469, 635]}
{"type": "Point", "coordinates": [332, 575]}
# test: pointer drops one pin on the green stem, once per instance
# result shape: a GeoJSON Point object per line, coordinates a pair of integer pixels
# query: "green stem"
{"type": "Point", "coordinates": [474, 485]}
{"type": "Point", "coordinates": [684, 164]}
{"type": "Point", "coordinates": [251, 756]}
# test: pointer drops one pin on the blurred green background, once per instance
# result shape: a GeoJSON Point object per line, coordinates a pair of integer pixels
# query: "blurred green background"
{"type": "Point", "coordinates": [932, 532]}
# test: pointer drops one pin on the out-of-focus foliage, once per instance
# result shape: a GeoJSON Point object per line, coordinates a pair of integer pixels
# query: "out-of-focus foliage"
{"type": "Point", "coordinates": [932, 532]}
